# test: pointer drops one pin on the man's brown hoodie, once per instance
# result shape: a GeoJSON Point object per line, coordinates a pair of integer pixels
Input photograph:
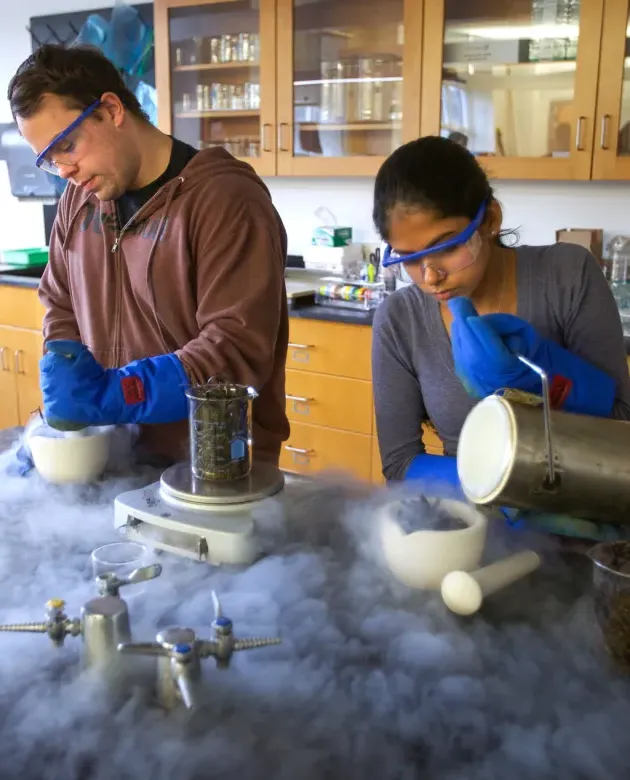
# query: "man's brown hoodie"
{"type": "Point", "coordinates": [198, 272]}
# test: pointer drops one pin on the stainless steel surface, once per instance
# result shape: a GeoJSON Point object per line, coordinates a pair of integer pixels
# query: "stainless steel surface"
{"type": "Point", "coordinates": [105, 624]}
{"type": "Point", "coordinates": [551, 472]}
{"type": "Point", "coordinates": [179, 483]}
{"type": "Point", "coordinates": [180, 652]}
{"type": "Point", "coordinates": [109, 584]}
{"type": "Point", "coordinates": [591, 460]}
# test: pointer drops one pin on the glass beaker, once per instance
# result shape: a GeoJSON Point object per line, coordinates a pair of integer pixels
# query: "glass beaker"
{"type": "Point", "coordinates": [220, 421]}
{"type": "Point", "coordinates": [611, 582]}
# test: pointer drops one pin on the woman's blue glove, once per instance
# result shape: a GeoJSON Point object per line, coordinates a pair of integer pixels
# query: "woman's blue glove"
{"type": "Point", "coordinates": [78, 390]}
{"type": "Point", "coordinates": [485, 350]}
{"type": "Point", "coordinates": [440, 470]}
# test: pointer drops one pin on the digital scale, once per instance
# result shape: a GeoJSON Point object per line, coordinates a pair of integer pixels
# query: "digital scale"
{"type": "Point", "coordinates": [211, 521]}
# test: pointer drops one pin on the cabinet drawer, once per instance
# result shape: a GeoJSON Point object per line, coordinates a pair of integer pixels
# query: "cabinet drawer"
{"type": "Point", "coordinates": [432, 442]}
{"type": "Point", "coordinates": [20, 307]}
{"type": "Point", "coordinates": [312, 448]}
{"type": "Point", "coordinates": [333, 401]}
{"type": "Point", "coordinates": [330, 348]}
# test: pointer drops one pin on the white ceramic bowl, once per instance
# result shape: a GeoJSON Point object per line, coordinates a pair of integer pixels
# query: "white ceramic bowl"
{"type": "Point", "coordinates": [422, 559]}
{"type": "Point", "coordinates": [73, 459]}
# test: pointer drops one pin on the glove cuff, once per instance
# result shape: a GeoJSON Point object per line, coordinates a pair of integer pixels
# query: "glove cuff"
{"type": "Point", "coordinates": [153, 390]}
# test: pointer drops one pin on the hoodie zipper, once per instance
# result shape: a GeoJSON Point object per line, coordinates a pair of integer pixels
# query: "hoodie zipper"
{"type": "Point", "coordinates": [116, 253]}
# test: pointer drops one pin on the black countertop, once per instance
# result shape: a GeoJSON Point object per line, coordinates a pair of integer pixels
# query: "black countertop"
{"type": "Point", "coordinates": [302, 308]}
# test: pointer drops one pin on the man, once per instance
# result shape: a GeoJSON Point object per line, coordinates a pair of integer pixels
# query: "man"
{"type": "Point", "coordinates": [166, 263]}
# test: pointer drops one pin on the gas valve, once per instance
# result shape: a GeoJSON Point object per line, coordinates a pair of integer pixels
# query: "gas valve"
{"type": "Point", "coordinates": [180, 653]}
{"type": "Point", "coordinates": [109, 584]}
{"type": "Point", "coordinates": [57, 624]}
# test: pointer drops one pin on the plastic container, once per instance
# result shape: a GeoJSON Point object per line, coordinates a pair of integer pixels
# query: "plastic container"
{"type": "Point", "coordinates": [26, 257]}
{"type": "Point", "coordinates": [220, 420]}
{"type": "Point", "coordinates": [611, 583]}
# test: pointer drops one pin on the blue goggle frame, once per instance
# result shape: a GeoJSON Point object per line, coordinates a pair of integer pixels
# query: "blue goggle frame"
{"type": "Point", "coordinates": [41, 161]}
{"type": "Point", "coordinates": [392, 258]}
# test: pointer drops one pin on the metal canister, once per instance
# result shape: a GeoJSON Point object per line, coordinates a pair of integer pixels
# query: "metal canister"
{"type": "Point", "coordinates": [504, 456]}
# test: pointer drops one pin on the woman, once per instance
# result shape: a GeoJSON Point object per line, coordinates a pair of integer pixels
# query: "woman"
{"type": "Point", "coordinates": [450, 338]}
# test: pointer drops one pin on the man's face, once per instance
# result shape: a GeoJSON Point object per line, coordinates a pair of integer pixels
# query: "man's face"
{"type": "Point", "coordinates": [97, 156]}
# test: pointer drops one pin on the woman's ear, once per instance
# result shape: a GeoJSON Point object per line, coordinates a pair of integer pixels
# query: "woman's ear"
{"type": "Point", "coordinates": [494, 219]}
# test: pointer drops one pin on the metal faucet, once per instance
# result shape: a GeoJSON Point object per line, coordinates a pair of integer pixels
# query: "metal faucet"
{"type": "Point", "coordinates": [180, 652]}
{"type": "Point", "coordinates": [104, 621]}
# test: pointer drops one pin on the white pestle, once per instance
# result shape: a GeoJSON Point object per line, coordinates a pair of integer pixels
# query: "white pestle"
{"type": "Point", "coordinates": [463, 592]}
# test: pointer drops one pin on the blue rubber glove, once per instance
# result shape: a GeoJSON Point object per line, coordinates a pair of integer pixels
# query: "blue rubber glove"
{"type": "Point", "coordinates": [77, 389]}
{"type": "Point", "coordinates": [485, 349]}
{"type": "Point", "coordinates": [437, 469]}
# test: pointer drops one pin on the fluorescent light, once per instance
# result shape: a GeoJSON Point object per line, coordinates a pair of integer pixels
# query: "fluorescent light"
{"type": "Point", "coordinates": [366, 80]}
{"type": "Point", "coordinates": [514, 33]}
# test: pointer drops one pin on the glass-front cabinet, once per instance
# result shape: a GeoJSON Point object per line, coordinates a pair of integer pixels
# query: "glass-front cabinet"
{"type": "Point", "coordinates": [215, 76]}
{"type": "Point", "coordinates": [348, 83]}
{"type": "Point", "coordinates": [537, 89]}
{"type": "Point", "coordinates": [612, 139]}
{"type": "Point", "coordinates": [515, 82]}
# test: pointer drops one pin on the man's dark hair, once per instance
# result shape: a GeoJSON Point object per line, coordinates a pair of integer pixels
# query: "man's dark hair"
{"type": "Point", "coordinates": [79, 74]}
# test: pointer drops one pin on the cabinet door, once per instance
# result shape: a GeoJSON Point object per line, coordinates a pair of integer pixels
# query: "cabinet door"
{"type": "Point", "coordinates": [25, 348]}
{"type": "Point", "coordinates": [612, 141]}
{"type": "Point", "coordinates": [215, 76]}
{"type": "Point", "coordinates": [9, 416]}
{"type": "Point", "coordinates": [346, 69]}
{"type": "Point", "coordinates": [514, 82]}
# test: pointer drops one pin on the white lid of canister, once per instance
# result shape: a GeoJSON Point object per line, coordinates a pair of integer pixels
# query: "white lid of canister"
{"type": "Point", "coordinates": [486, 449]}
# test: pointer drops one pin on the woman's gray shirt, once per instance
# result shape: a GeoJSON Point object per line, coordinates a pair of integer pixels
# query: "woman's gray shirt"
{"type": "Point", "coordinates": [561, 291]}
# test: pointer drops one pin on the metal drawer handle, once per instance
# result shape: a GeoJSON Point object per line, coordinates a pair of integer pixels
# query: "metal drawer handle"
{"type": "Point", "coordinates": [3, 364]}
{"type": "Point", "coordinates": [16, 357]}
{"type": "Point", "coordinates": [299, 455]}
{"type": "Point", "coordinates": [603, 141]}
{"type": "Point", "coordinates": [300, 346]}
{"type": "Point", "coordinates": [267, 135]}
{"type": "Point", "coordinates": [579, 134]}
{"type": "Point", "coordinates": [300, 404]}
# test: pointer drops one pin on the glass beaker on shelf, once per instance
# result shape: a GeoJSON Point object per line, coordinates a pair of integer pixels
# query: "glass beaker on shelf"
{"type": "Point", "coordinates": [220, 422]}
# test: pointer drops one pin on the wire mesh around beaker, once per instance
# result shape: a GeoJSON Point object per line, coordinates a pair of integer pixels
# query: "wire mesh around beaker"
{"type": "Point", "coordinates": [220, 422]}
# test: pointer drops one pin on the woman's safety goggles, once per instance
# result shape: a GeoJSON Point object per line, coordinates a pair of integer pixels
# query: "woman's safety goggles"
{"type": "Point", "coordinates": [62, 149]}
{"type": "Point", "coordinates": [448, 256]}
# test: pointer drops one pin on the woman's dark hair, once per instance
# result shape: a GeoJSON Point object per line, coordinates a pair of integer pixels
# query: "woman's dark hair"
{"type": "Point", "coordinates": [78, 74]}
{"type": "Point", "coordinates": [433, 174]}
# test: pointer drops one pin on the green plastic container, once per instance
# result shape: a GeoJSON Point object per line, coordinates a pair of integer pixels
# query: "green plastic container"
{"type": "Point", "coordinates": [26, 257]}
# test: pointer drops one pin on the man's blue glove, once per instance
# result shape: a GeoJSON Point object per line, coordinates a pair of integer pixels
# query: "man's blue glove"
{"type": "Point", "coordinates": [440, 470]}
{"type": "Point", "coordinates": [77, 390]}
{"type": "Point", "coordinates": [485, 350]}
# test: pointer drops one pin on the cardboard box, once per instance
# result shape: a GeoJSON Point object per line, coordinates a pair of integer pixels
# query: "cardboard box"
{"type": "Point", "coordinates": [593, 240]}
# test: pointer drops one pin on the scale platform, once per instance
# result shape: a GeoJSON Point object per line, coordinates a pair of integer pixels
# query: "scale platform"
{"type": "Point", "coordinates": [205, 521]}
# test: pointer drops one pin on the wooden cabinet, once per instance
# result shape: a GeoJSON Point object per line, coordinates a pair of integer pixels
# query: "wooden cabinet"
{"type": "Point", "coordinates": [517, 83]}
{"type": "Point", "coordinates": [329, 398]}
{"type": "Point", "coordinates": [21, 345]}
{"type": "Point", "coordinates": [612, 128]}
{"type": "Point", "coordinates": [215, 75]}
{"type": "Point", "coordinates": [323, 88]}
{"type": "Point", "coordinates": [538, 89]}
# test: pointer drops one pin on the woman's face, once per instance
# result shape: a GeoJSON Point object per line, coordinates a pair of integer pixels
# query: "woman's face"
{"type": "Point", "coordinates": [454, 272]}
